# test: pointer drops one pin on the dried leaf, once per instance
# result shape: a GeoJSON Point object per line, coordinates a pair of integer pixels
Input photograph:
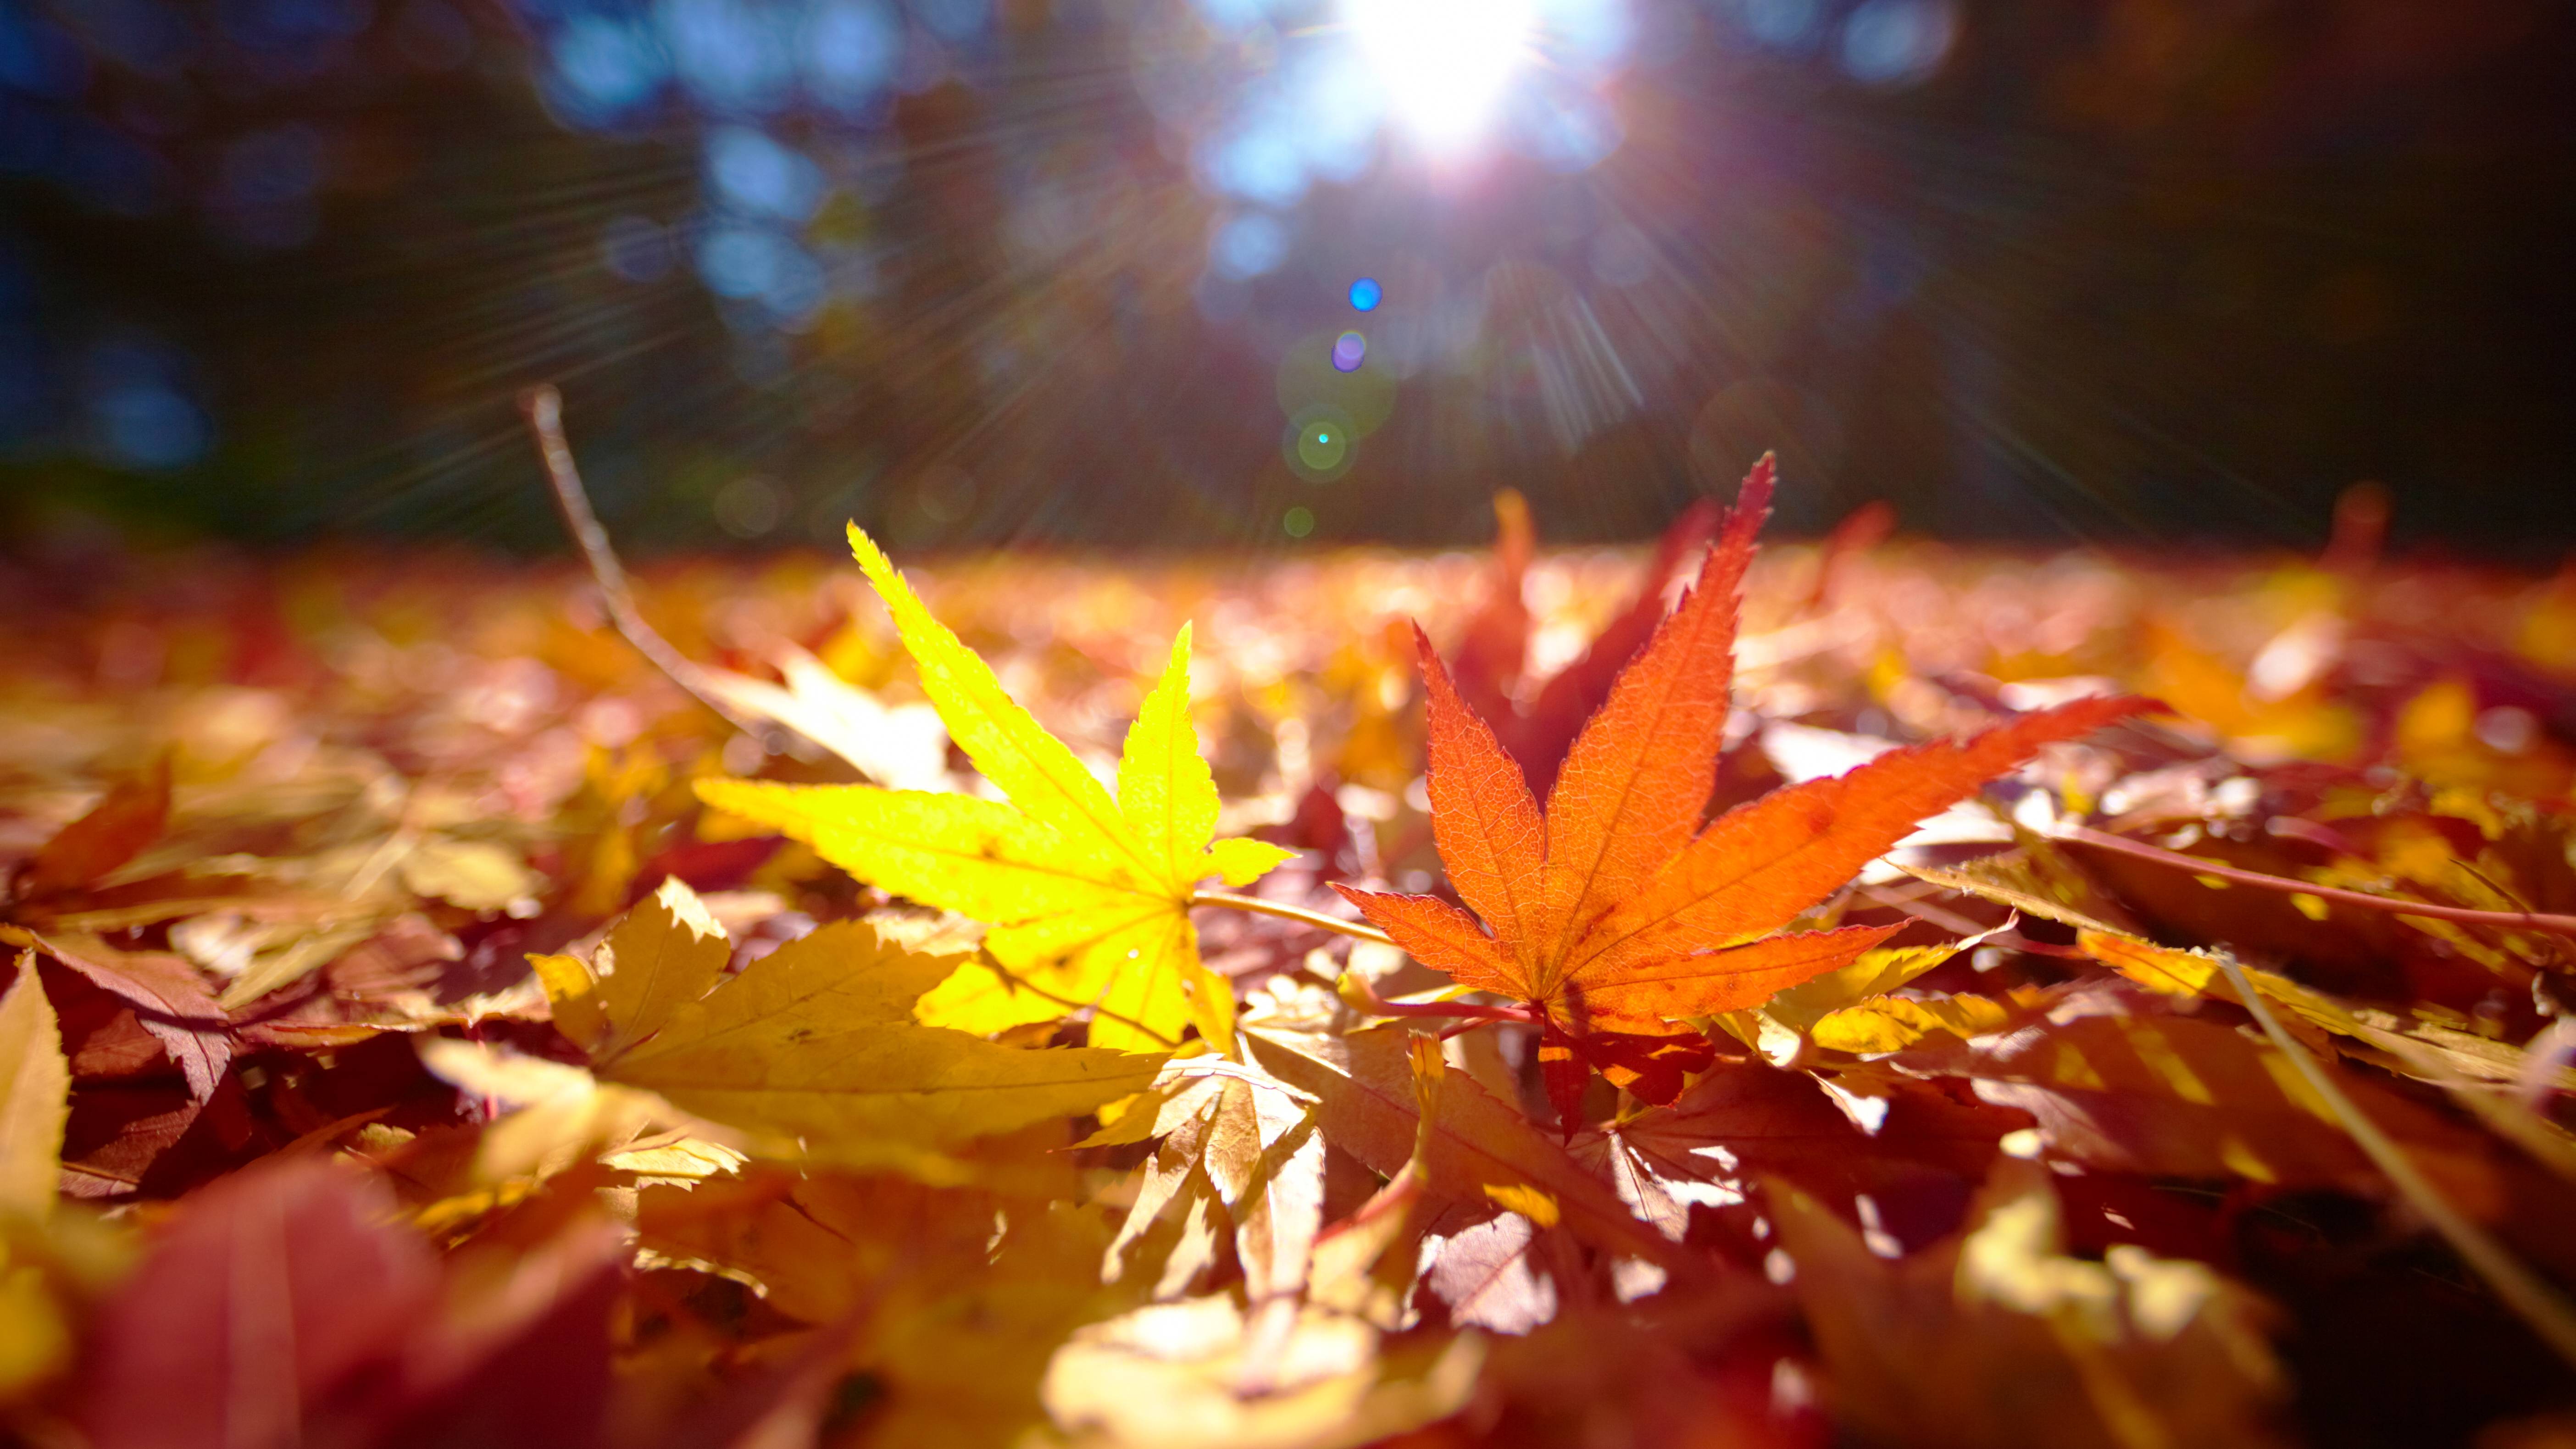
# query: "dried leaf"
{"type": "Point", "coordinates": [1171, 1376]}
{"type": "Point", "coordinates": [813, 1048]}
{"type": "Point", "coordinates": [35, 1090]}
{"type": "Point", "coordinates": [1998, 1339]}
{"type": "Point", "coordinates": [172, 1000]}
{"type": "Point", "coordinates": [131, 816]}
{"type": "Point", "coordinates": [1365, 1082]}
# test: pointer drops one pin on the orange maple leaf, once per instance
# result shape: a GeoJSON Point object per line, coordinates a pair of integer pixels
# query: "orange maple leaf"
{"type": "Point", "coordinates": [1614, 916]}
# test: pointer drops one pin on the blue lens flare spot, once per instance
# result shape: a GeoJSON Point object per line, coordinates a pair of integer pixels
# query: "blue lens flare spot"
{"type": "Point", "coordinates": [1349, 351]}
{"type": "Point", "coordinates": [1365, 295]}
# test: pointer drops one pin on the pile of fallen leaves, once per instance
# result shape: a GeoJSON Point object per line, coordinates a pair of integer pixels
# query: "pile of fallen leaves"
{"type": "Point", "coordinates": [1871, 993]}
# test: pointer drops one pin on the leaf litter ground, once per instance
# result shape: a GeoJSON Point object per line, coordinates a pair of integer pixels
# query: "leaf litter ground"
{"type": "Point", "coordinates": [1864, 1019]}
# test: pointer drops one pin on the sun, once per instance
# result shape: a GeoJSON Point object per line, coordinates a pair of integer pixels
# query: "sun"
{"type": "Point", "coordinates": [1443, 63]}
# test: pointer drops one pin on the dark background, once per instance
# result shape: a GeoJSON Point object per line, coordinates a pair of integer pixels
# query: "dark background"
{"type": "Point", "coordinates": [2118, 271]}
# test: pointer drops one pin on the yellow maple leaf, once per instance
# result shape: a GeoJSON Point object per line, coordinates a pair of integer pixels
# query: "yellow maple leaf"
{"type": "Point", "coordinates": [813, 1048]}
{"type": "Point", "coordinates": [1088, 897]}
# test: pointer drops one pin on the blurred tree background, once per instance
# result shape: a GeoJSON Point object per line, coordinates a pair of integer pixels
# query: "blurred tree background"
{"type": "Point", "coordinates": [991, 271]}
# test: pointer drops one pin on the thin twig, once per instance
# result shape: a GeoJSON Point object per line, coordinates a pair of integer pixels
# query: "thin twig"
{"type": "Point", "coordinates": [542, 405]}
{"type": "Point", "coordinates": [2122, 845]}
{"type": "Point", "coordinates": [1317, 919]}
{"type": "Point", "coordinates": [2531, 1299]}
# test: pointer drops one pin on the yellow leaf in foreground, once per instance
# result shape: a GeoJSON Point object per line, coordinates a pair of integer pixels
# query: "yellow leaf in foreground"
{"type": "Point", "coordinates": [813, 1048]}
{"type": "Point", "coordinates": [1088, 897]}
{"type": "Point", "coordinates": [35, 1096]}
{"type": "Point", "coordinates": [1198, 1374]}
{"type": "Point", "coordinates": [957, 1297]}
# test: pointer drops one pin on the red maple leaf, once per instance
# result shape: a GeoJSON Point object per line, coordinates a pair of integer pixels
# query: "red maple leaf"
{"type": "Point", "coordinates": [1614, 916]}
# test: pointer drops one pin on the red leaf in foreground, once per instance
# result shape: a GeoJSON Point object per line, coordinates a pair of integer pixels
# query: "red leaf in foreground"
{"type": "Point", "coordinates": [244, 1315]}
{"type": "Point", "coordinates": [1608, 915]}
{"type": "Point", "coordinates": [286, 1305]}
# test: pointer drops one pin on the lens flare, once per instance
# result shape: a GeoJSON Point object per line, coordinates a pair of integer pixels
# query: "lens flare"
{"type": "Point", "coordinates": [1319, 445]}
{"type": "Point", "coordinates": [1349, 351]}
{"type": "Point", "coordinates": [1443, 62]}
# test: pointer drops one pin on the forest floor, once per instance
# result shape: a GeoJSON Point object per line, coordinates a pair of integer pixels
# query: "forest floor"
{"type": "Point", "coordinates": [2158, 1115]}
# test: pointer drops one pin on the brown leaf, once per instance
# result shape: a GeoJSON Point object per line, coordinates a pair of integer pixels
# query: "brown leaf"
{"type": "Point", "coordinates": [1749, 1120]}
{"type": "Point", "coordinates": [2117, 1081]}
{"type": "Point", "coordinates": [1998, 1339]}
{"type": "Point", "coordinates": [172, 1000]}
{"type": "Point", "coordinates": [133, 814]}
{"type": "Point", "coordinates": [1365, 1081]}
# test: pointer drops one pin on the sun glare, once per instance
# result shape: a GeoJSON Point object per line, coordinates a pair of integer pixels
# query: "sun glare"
{"type": "Point", "coordinates": [1443, 62]}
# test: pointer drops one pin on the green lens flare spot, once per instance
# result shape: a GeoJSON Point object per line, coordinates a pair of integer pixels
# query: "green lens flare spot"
{"type": "Point", "coordinates": [1322, 448]}
{"type": "Point", "coordinates": [1298, 522]}
{"type": "Point", "coordinates": [1320, 445]}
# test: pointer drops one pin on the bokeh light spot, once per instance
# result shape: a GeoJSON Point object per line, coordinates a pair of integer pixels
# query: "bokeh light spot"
{"type": "Point", "coordinates": [1366, 294]}
{"type": "Point", "coordinates": [1898, 42]}
{"type": "Point", "coordinates": [147, 425]}
{"type": "Point", "coordinates": [1349, 351]}
{"type": "Point", "coordinates": [852, 49]}
{"type": "Point", "coordinates": [1782, 24]}
{"type": "Point", "coordinates": [759, 175]}
{"type": "Point", "coordinates": [1298, 522]}
{"type": "Point", "coordinates": [729, 55]}
{"type": "Point", "coordinates": [749, 507]}
{"type": "Point", "coordinates": [1248, 246]}
{"type": "Point", "coordinates": [604, 68]}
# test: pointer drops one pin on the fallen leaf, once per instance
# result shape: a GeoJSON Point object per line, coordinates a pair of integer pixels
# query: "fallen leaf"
{"type": "Point", "coordinates": [1997, 1338]}
{"type": "Point", "coordinates": [902, 747]}
{"type": "Point", "coordinates": [1088, 897]}
{"type": "Point", "coordinates": [35, 1092]}
{"type": "Point", "coordinates": [241, 1321]}
{"type": "Point", "coordinates": [1749, 1120]}
{"type": "Point", "coordinates": [1171, 1376]}
{"type": "Point", "coordinates": [1495, 647]}
{"type": "Point", "coordinates": [2116, 1082]}
{"type": "Point", "coordinates": [959, 1295]}
{"type": "Point", "coordinates": [1615, 916]}
{"type": "Point", "coordinates": [473, 875]}
{"type": "Point", "coordinates": [129, 817]}
{"type": "Point", "coordinates": [812, 1049]}
{"type": "Point", "coordinates": [1365, 1082]}
{"type": "Point", "coordinates": [172, 1000]}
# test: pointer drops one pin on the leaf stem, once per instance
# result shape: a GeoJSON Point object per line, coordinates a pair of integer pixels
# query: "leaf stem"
{"type": "Point", "coordinates": [1317, 919]}
{"type": "Point", "coordinates": [2140, 850]}
{"type": "Point", "coordinates": [1455, 1009]}
{"type": "Point", "coordinates": [1361, 996]}
{"type": "Point", "coordinates": [2531, 1299]}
